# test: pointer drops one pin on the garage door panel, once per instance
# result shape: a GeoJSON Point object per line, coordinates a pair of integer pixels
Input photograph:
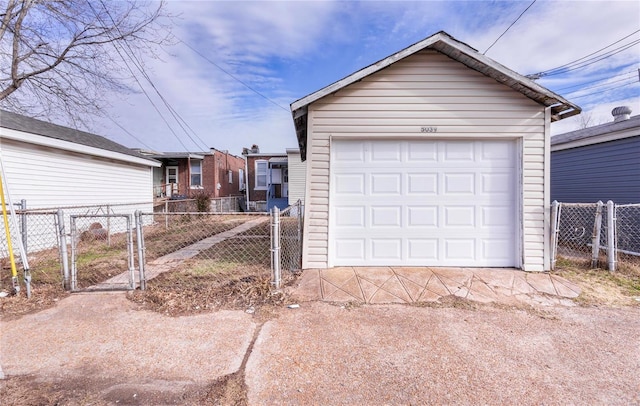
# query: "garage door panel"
{"type": "Point", "coordinates": [386, 249]}
{"type": "Point", "coordinates": [349, 153]}
{"type": "Point", "coordinates": [386, 216]}
{"type": "Point", "coordinates": [386, 183]}
{"type": "Point", "coordinates": [459, 183]}
{"type": "Point", "coordinates": [459, 217]}
{"type": "Point", "coordinates": [432, 202]}
{"type": "Point", "coordinates": [350, 216]}
{"type": "Point", "coordinates": [459, 151]}
{"type": "Point", "coordinates": [422, 183]}
{"type": "Point", "coordinates": [422, 216]}
{"type": "Point", "coordinates": [459, 249]}
{"type": "Point", "coordinates": [352, 184]}
{"type": "Point", "coordinates": [350, 249]}
{"type": "Point", "coordinates": [422, 248]}
{"type": "Point", "coordinates": [386, 151]}
{"type": "Point", "coordinates": [422, 152]}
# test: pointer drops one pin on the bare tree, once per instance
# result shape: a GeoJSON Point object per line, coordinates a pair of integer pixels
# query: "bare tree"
{"type": "Point", "coordinates": [61, 58]}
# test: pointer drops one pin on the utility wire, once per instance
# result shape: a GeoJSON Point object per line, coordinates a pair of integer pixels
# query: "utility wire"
{"type": "Point", "coordinates": [234, 77]}
{"type": "Point", "coordinates": [593, 60]}
{"type": "Point", "coordinates": [605, 90]}
{"type": "Point", "coordinates": [560, 69]}
{"type": "Point", "coordinates": [599, 85]}
{"type": "Point", "coordinates": [509, 27]}
{"type": "Point", "coordinates": [142, 87]}
{"type": "Point", "coordinates": [173, 112]}
{"type": "Point", "coordinates": [129, 133]}
{"type": "Point", "coordinates": [593, 81]}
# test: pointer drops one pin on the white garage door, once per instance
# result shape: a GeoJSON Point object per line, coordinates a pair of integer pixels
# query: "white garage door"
{"type": "Point", "coordinates": [428, 203]}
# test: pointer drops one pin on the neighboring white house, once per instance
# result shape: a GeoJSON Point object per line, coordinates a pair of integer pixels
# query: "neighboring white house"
{"type": "Point", "coordinates": [434, 156]}
{"type": "Point", "coordinates": [51, 166]}
{"type": "Point", "coordinates": [297, 176]}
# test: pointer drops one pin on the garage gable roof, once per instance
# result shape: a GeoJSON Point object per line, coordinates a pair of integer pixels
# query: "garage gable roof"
{"type": "Point", "coordinates": [456, 50]}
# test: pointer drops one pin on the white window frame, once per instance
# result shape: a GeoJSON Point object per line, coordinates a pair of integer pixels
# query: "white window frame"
{"type": "Point", "coordinates": [230, 176]}
{"type": "Point", "coordinates": [258, 163]}
{"type": "Point", "coordinates": [192, 172]}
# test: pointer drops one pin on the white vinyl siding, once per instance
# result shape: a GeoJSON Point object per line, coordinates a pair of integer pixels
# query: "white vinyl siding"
{"type": "Point", "coordinates": [297, 176]}
{"type": "Point", "coordinates": [48, 177]}
{"type": "Point", "coordinates": [427, 89]}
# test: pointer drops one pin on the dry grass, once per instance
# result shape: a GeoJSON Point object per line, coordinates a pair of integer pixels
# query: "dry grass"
{"type": "Point", "coordinates": [183, 291]}
{"type": "Point", "coordinates": [601, 287]}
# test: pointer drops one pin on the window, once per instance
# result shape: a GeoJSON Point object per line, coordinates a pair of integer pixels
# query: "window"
{"type": "Point", "coordinates": [230, 176]}
{"type": "Point", "coordinates": [261, 174]}
{"type": "Point", "coordinates": [196, 174]}
{"type": "Point", "coordinates": [241, 179]}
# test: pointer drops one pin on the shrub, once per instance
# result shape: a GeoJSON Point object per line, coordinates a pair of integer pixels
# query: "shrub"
{"type": "Point", "coordinates": [203, 200]}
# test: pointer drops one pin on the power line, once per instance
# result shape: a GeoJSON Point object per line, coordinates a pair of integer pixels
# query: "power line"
{"type": "Point", "coordinates": [593, 81]}
{"type": "Point", "coordinates": [234, 77]}
{"type": "Point", "coordinates": [509, 27]}
{"type": "Point", "coordinates": [599, 85]}
{"type": "Point", "coordinates": [127, 131]}
{"type": "Point", "coordinates": [140, 68]}
{"type": "Point", "coordinates": [605, 90]}
{"type": "Point", "coordinates": [567, 66]}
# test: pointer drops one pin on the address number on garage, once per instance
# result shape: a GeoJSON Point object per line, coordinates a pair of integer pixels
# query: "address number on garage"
{"type": "Point", "coordinates": [428, 129]}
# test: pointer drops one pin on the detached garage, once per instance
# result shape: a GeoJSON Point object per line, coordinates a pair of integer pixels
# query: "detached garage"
{"type": "Point", "coordinates": [434, 156]}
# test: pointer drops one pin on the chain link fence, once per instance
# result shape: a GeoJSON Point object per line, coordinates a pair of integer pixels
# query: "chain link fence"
{"type": "Point", "coordinates": [628, 234]}
{"type": "Point", "coordinates": [596, 234]}
{"type": "Point", "coordinates": [44, 231]}
{"type": "Point", "coordinates": [111, 247]}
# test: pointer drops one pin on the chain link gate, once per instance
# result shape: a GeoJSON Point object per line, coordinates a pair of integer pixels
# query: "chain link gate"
{"type": "Point", "coordinates": [102, 252]}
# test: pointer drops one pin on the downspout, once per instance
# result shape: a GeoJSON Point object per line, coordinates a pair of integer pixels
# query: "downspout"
{"type": "Point", "coordinates": [246, 176]}
{"type": "Point", "coordinates": [188, 180]}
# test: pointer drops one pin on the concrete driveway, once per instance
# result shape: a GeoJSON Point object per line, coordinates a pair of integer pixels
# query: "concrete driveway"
{"type": "Point", "coordinates": [459, 352]}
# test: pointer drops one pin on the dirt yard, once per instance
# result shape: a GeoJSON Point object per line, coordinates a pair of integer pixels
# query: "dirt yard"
{"type": "Point", "coordinates": [235, 342]}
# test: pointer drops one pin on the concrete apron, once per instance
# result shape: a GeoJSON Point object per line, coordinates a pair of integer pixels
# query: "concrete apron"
{"type": "Point", "coordinates": [376, 285]}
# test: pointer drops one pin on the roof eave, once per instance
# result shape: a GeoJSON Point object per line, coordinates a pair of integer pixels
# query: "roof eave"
{"type": "Point", "coordinates": [463, 53]}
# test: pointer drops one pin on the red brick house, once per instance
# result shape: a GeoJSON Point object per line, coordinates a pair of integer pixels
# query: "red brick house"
{"type": "Point", "coordinates": [267, 179]}
{"type": "Point", "coordinates": [217, 173]}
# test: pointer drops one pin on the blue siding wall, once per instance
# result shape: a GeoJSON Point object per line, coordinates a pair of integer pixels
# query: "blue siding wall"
{"type": "Point", "coordinates": [605, 171]}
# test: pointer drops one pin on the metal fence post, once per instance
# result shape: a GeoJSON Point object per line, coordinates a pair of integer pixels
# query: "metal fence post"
{"type": "Point", "coordinates": [74, 269]}
{"type": "Point", "coordinates": [555, 221]}
{"type": "Point", "coordinates": [299, 204]}
{"type": "Point", "coordinates": [63, 250]}
{"type": "Point", "coordinates": [611, 243]}
{"type": "Point", "coordinates": [275, 247]}
{"type": "Point", "coordinates": [595, 238]}
{"type": "Point", "coordinates": [140, 241]}
{"type": "Point", "coordinates": [23, 224]}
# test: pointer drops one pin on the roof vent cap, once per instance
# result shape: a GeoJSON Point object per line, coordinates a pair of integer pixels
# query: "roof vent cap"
{"type": "Point", "coordinates": [621, 113]}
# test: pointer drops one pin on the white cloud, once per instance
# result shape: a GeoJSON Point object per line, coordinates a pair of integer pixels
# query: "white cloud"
{"type": "Point", "coordinates": [285, 50]}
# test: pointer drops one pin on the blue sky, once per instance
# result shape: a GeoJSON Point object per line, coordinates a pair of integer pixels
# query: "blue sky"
{"type": "Point", "coordinates": [287, 50]}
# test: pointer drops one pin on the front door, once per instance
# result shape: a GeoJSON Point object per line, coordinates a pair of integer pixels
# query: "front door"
{"type": "Point", "coordinates": [172, 180]}
{"type": "Point", "coordinates": [285, 182]}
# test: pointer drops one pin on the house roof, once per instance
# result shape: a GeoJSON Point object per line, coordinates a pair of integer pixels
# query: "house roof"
{"type": "Point", "coordinates": [179, 155]}
{"type": "Point", "coordinates": [30, 125]}
{"type": "Point", "coordinates": [279, 159]}
{"type": "Point", "coordinates": [461, 52]}
{"type": "Point", "coordinates": [600, 133]}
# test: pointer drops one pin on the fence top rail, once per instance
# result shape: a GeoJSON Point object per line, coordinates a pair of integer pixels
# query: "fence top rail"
{"type": "Point", "coordinates": [629, 205]}
{"type": "Point", "coordinates": [578, 204]}
{"type": "Point", "coordinates": [207, 213]}
{"type": "Point", "coordinates": [75, 216]}
{"type": "Point", "coordinates": [40, 209]}
{"type": "Point", "coordinates": [35, 212]}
